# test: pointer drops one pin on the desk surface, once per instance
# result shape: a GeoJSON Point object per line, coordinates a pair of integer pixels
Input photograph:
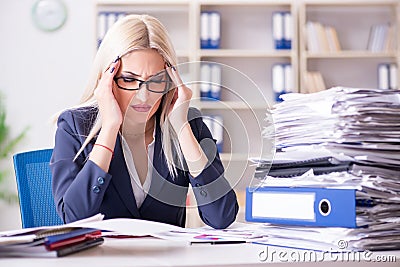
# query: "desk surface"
{"type": "Point", "coordinates": [151, 252]}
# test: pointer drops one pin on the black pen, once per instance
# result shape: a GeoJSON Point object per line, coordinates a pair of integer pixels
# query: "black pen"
{"type": "Point", "coordinates": [219, 242]}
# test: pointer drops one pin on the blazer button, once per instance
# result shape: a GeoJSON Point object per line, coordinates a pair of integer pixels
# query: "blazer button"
{"type": "Point", "coordinates": [96, 189]}
{"type": "Point", "coordinates": [100, 180]}
{"type": "Point", "coordinates": [203, 193]}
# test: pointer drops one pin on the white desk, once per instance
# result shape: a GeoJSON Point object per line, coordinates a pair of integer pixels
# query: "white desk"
{"type": "Point", "coordinates": [146, 252]}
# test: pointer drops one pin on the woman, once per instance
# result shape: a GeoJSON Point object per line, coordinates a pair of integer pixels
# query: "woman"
{"type": "Point", "coordinates": [132, 146]}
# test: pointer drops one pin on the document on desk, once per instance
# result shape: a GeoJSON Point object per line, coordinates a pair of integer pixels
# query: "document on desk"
{"type": "Point", "coordinates": [33, 230]}
{"type": "Point", "coordinates": [130, 227]}
{"type": "Point", "coordinates": [236, 233]}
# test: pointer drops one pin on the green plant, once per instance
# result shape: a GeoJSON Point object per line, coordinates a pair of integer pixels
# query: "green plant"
{"type": "Point", "coordinates": [7, 145]}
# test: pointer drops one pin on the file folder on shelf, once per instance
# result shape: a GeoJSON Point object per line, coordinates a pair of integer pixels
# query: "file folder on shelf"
{"type": "Point", "coordinates": [302, 206]}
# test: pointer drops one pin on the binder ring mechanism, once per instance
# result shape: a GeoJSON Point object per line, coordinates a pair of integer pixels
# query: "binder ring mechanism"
{"type": "Point", "coordinates": [324, 207]}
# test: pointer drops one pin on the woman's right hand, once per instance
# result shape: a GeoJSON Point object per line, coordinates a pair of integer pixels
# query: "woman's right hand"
{"type": "Point", "coordinates": [109, 109]}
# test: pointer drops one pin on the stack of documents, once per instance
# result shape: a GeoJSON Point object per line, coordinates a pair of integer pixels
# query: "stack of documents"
{"type": "Point", "coordinates": [337, 167]}
{"type": "Point", "coordinates": [363, 124]}
{"type": "Point", "coordinates": [50, 242]}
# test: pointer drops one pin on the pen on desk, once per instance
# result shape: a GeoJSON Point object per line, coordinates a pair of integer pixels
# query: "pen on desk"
{"type": "Point", "coordinates": [219, 242]}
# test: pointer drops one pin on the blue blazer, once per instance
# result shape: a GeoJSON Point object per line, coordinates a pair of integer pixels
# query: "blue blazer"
{"type": "Point", "coordinates": [82, 189]}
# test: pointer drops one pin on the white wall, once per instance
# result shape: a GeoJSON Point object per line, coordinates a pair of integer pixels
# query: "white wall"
{"type": "Point", "coordinates": [40, 74]}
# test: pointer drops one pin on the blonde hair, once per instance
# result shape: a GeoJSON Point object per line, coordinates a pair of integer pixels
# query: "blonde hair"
{"type": "Point", "coordinates": [134, 32]}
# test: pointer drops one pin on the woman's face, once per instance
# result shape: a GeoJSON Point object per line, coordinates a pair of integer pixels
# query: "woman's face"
{"type": "Point", "coordinates": [139, 105]}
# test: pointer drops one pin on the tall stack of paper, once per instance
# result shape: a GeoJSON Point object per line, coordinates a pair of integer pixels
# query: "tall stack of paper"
{"type": "Point", "coordinates": [340, 147]}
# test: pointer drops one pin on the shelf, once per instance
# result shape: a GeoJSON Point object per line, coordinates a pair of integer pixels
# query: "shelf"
{"type": "Point", "coordinates": [356, 3]}
{"type": "Point", "coordinates": [245, 53]}
{"type": "Point", "coordinates": [351, 54]}
{"type": "Point", "coordinates": [354, 22]}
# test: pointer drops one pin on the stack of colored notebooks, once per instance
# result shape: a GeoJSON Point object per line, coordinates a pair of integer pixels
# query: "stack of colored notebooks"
{"type": "Point", "coordinates": [51, 242]}
{"type": "Point", "coordinates": [336, 174]}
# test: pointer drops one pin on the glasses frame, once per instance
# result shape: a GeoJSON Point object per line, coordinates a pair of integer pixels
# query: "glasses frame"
{"type": "Point", "coordinates": [141, 82]}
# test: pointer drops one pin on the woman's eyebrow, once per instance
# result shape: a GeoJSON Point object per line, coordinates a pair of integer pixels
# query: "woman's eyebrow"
{"type": "Point", "coordinates": [137, 75]}
{"type": "Point", "coordinates": [132, 73]}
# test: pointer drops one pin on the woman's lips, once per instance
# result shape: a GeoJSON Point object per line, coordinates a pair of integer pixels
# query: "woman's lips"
{"type": "Point", "coordinates": [141, 107]}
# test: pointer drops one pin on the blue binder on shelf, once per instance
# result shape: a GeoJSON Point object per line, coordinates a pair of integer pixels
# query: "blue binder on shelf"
{"type": "Point", "coordinates": [304, 206]}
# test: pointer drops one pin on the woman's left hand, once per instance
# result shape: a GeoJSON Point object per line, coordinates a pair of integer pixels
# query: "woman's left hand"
{"type": "Point", "coordinates": [180, 103]}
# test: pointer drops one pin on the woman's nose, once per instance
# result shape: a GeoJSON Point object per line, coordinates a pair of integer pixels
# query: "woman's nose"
{"type": "Point", "coordinates": [142, 93]}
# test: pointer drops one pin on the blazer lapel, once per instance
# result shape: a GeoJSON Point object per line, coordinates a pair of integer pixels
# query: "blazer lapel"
{"type": "Point", "coordinates": [121, 179]}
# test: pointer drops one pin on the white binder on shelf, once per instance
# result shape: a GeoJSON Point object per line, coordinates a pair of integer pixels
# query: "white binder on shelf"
{"type": "Point", "coordinates": [209, 123]}
{"type": "Point", "coordinates": [105, 20]}
{"type": "Point", "coordinates": [215, 30]}
{"type": "Point", "coordinates": [215, 125]}
{"type": "Point", "coordinates": [102, 26]}
{"type": "Point", "coordinates": [111, 19]}
{"type": "Point", "coordinates": [383, 76]}
{"type": "Point", "coordinates": [215, 92]}
{"type": "Point", "coordinates": [393, 83]}
{"type": "Point", "coordinates": [218, 132]}
{"type": "Point", "coordinates": [278, 80]}
{"type": "Point", "coordinates": [277, 30]}
{"type": "Point", "coordinates": [288, 74]}
{"type": "Point", "coordinates": [205, 77]}
{"type": "Point", "coordinates": [287, 30]}
{"type": "Point", "coordinates": [204, 29]}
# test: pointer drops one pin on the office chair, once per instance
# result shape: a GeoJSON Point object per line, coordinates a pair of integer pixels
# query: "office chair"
{"type": "Point", "coordinates": [33, 177]}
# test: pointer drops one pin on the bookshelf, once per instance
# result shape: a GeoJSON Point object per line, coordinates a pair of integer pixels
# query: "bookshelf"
{"type": "Point", "coordinates": [355, 65]}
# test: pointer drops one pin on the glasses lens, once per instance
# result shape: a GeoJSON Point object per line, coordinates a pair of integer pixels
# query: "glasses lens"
{"type": "Point", "coordinates": [159, 83]}
{"type": "Point", "coordinates": [127, 82]}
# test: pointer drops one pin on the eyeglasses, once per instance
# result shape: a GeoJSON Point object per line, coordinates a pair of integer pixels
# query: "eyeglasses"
{"type": "Point", "coordinates": [158, 83]}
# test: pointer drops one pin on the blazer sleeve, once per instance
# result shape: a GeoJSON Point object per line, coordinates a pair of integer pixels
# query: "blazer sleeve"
{"type": "Point", "coordinates": [78, 186]}
{"type": "Point", "coordinates": [216, 200]}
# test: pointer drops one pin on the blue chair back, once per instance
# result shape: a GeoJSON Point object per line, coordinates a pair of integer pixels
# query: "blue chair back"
{"type": "Point", "coordinates": [33, 175]}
